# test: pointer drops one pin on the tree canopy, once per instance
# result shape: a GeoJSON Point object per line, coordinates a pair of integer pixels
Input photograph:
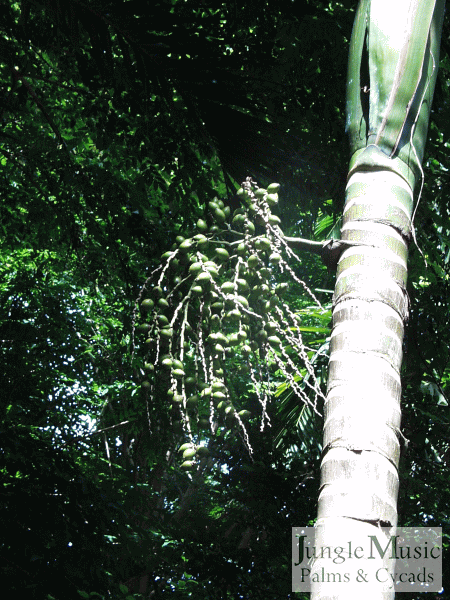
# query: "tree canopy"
{"type": "Point", "coordinates": [120, 123]}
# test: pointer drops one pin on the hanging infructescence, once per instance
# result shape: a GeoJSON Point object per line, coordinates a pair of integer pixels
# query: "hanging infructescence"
{"type": "Point", "coordinates": [216, 307]}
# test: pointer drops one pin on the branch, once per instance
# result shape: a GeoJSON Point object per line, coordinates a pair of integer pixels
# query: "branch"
{"type": "Point", "coordinates": [329, 250]}
{"type": "Point", "coordinates": [83, 437]}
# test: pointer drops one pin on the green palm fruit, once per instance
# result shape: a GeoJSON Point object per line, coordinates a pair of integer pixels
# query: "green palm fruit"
{"type": "Point", "coordinates": [264, 290]}
{"type": "Point", "coordinates": [197, 290]}
{"type": "Point", "coordinates": [242, 285]}
{"type": "Point", "coordinates": [162, 320]}
{"type": "Point", "coordinates": [157, 291]}
{"type": "Point", "coordinates": [213, 205]}
{"type": "Point", "coordinates": [262, 243]}
{"type": "Point", "coordinates": [185, 446]}
{"type": "Point", "coordinates": [215, 321]}
{"type": "Point", "coordinates": [261, 336]}
{"type": "Point", "coordinates": [242, 300]}
{"type": "Point", "coordinates": [260, 193]}
{"type": "Point", "coordinates": [250, 227]}
{"type": "Point", "coordinates": [188, 465]}
{"type": "Point", "coordinates": [179, 239]}
{"type": "Point", "coordinates": [274, 340]}
{"type": "Point", "coordinates": [234, 315]}
{"type": "Point", "coordinates": [223, 404]}
{"type": "Point", "coordinates": [271, 327]}
{"type": "Point", "coordinates": [192, 401]}
{"type": "Point", "coordinates": [149, 367]}
{"type": "Point", "coordinates": [239, 220]}
{"type": "Point", "coordinates": [221, 338]}
{"type": "Point", "coordinates": [274, 220]}
{"type": "Point", "coordinates": [147, 305]}
{"type": "Point", "coordinates": [218, 386]}
{"type": "Point", "coordinates": [273, 188]}
{"type": "Point", "coordinates": [227, 287]}
{"type": "Point", "coordinates": [177, 364]}
{"type": "Point", "coordinates": [178, 373]}
{"type": "Point", "coordinates": [203, 280]}
{"type": "Point", "coordinates": [246, 350]}
{"type": "Point", "coordinates": [202, 225]}
{"type": "Point", "coordinates": [143, 328]}
{"type": "Point", "coordinates": [222, 254]}
{"type": "Point", "coordinates": [275, 258]}
{"type": "Point", "coordinates": [167, 362]}
{"type": "Point", "coordinates": [162, 303]}
{"type": "Point", "coordinates": [219, 215]}
{"type": "Point", "coordinates": [241, 249]}
{"type": "Point", "coordinates": [186, 245]}
{"type": "Point", "coordinates": [244, 414]}
{"type": "Point", "coordinates": [242, 335]}
{"type": "Point", "coordinates": [146, 385]}
{"type": "Point", "coordinates": [216, 306]}
{"type": "Point", "coordinates": [196, 267]}
{"type": "Point", "coordinates": [233, 339]}
{"type": "Point", "coordinates": [166, 333]}
{"type": "Point", "coordinates": [281, 288]}
{"type": "Point", "coordinates": [253, 261]}
{"type": "Point", "coordinates": [189, 453]}
{"type": "Point", "coordinates": [266, 306]}
{"type": "Point", "coordinates": [272, 199]}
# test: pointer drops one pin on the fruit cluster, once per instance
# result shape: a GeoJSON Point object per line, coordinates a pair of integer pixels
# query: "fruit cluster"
{"type": "Point", "coordinates": [217, 308]}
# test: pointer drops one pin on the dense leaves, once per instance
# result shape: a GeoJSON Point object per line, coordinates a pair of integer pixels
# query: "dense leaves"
{"type": "Point", "coordinates": [119, 123]}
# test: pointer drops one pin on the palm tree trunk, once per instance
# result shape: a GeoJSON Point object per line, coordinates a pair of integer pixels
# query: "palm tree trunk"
{"type": "Point", "coordinates": [392, 72]}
